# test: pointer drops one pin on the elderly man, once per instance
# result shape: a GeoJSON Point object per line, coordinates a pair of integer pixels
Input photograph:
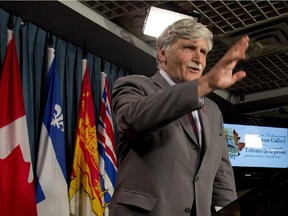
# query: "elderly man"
{"type": "Point", "coordinates": [173, 156]}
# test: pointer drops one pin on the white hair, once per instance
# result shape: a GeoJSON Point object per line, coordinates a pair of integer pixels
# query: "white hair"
{"type": "Point", "coordinates": [186, 29]}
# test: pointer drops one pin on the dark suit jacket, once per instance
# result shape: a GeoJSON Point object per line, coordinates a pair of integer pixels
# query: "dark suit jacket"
{"type": "Point", "coordinates": [162, 168]}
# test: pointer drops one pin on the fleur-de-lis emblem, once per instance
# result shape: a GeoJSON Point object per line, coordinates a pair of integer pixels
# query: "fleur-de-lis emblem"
{"type": "Point", "coordinates": [58, 118]}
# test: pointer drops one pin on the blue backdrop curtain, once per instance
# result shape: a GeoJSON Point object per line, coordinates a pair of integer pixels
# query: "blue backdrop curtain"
{"type": "Point", "coordinates": [32, 44]}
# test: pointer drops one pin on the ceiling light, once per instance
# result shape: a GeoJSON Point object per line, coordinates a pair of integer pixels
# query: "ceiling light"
{"type": "Point", "coordinates": [158, 19]}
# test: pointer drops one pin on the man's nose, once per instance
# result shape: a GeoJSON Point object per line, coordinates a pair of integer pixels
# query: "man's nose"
{"type": "Point", "coordinates": [196, 59]}
{"type": "Point", "coordinates": [196, 55]}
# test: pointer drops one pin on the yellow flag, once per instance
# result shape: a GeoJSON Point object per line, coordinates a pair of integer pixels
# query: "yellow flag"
{"type": "Point", "coordinates": [85, 189]}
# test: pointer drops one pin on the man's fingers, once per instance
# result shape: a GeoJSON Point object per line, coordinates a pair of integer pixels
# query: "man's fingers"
{"type": "Point", "coordinates": [240, 48]}
{"type": "Point", "coordinates": [237, 51]}
{"type": "Point", "coordinates": [239, 75]}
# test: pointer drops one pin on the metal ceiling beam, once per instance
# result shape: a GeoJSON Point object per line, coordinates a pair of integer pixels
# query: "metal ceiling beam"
{"type": "Point", "coordinates": [108, 25]}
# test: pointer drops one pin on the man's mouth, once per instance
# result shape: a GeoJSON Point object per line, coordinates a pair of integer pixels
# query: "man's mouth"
{"type": "Point", "coordinates": [194, 66]}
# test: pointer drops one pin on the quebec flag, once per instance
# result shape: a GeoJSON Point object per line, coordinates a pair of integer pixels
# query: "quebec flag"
{"type": "Point", "coordinates": [51, 188]}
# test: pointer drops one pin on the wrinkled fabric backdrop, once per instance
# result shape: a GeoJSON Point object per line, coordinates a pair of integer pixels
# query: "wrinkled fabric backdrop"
{"type": "Point", "coordinates": [32, 44]}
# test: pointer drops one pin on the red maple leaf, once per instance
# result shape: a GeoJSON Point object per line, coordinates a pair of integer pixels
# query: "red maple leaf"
{"type": "Point", "coordinates": [17, 195]}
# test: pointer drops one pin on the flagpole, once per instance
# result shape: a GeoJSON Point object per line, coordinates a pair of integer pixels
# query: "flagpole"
{"type": "Point", "coordinates": [10, 26]}
{"type": "Point", "coordinates": [50, 52]}
{"type": "Point", "coordinates": [84, 60]}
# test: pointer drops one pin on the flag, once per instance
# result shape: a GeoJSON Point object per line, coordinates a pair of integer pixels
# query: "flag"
{"type": "Point", "coordinates": [51, 187]}
{"type": "Point", "coordinates": [17, 194]}
{"type": "Point", "coordinates": [85, 189]}
{"type": "Point", "coordinates": [106, 145]}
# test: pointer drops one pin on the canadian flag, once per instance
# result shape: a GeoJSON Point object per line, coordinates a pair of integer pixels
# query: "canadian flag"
{"type": "Point", "coordinates": [17, 194]}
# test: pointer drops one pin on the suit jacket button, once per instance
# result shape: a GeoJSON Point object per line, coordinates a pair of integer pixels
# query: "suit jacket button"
{"type": "Point", "coordinates": [187, 210]}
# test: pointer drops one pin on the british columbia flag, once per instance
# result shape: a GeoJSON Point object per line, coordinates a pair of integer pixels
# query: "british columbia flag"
{"type": "Point", "coordinates": [106, 145]}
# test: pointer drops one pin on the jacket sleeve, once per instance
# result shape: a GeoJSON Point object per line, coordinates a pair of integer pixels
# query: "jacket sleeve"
{"type": "Point", "coordinates": [141, 107]}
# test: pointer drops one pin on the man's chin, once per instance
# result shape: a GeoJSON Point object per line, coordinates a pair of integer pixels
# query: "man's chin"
{"type": "Point", "coordinates": [192, 77]}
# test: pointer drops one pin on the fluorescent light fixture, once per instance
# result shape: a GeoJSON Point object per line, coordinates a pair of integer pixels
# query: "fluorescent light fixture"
{"type": "Point", "coordinates": [158, 19]}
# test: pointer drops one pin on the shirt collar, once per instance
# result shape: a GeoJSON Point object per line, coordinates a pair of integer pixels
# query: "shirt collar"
{"type": "Point", "coordinates": [171, 82]}
{"type": "Point", "coordinates": [167, 77]}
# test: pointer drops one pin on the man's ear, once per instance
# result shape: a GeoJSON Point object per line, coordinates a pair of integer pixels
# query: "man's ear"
{"type": "Point", "coordinates": [161, 55]}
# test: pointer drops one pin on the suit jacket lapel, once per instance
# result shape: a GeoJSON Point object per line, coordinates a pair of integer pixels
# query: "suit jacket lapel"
{"type": "Point", "coordinates": [185, 122]}
{"type": "Point", "coordinates": [160, 81]}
